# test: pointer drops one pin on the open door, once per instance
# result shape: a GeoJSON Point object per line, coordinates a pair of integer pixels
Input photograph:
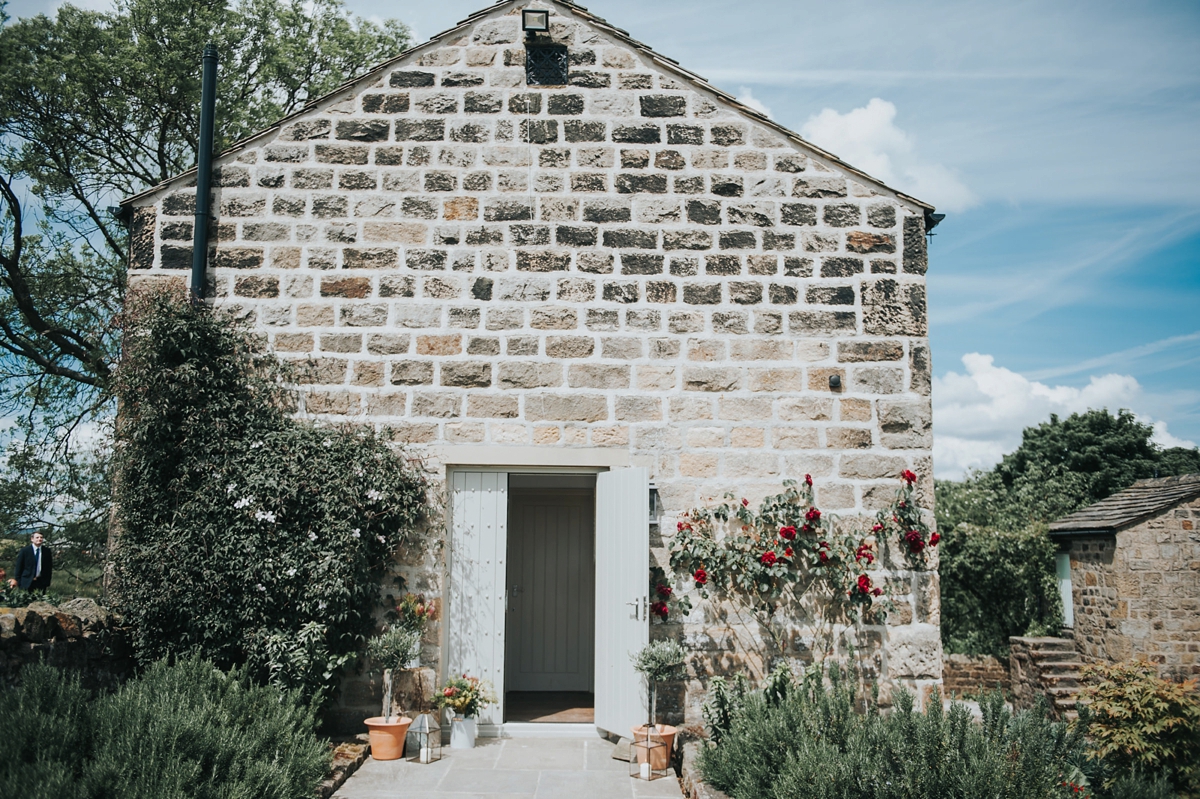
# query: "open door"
{"type": "Point", "coordinates": [475, 601]}
{"type": "Point", "coordinates": [622, 604]}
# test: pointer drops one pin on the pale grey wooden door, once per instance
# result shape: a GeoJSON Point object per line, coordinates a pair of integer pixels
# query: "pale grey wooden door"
{"type": "Point", "coordinates": [622, 578]}
{"type": "Point", "coordinates": [475, 599]}
{"type": "Point", "coordinates": [550, 637]}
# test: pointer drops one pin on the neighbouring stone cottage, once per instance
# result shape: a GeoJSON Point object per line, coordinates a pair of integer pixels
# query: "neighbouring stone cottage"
{"type": "Point", "coordinates": [572, 275]}
{"type": "Point", "coordinates": [1129, 570]}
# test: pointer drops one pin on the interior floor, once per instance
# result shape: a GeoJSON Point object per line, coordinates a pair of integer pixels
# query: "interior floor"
{"type": "Point", "coordinates": [558, 707]}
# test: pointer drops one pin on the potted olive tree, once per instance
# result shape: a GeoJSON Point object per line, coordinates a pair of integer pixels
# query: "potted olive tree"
{"type": "Point", "coordinates": [658, 661]}
{"type": "Point", "coordinates": [390, 651]}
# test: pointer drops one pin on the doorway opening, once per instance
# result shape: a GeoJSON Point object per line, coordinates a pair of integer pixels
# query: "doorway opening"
{"type": "Point", "coordinates": [550, 612]}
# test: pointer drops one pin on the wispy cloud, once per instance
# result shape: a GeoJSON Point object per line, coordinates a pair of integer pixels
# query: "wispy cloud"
{"type": "Point", "coordinates": [1189, 341]}
{"type": "Point", "coordinates": [869, 138]}
{"type": "Point", "coordinates": [1050, 281]}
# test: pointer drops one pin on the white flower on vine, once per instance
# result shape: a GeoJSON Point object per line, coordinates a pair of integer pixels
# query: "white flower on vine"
{"type": "Point", "coordinates": [255, 444]}
{"type": "Point", "coordinates": [327, 443]}
{"type": "Point", "coordinates": [355, 532]}
{"type": "Point", "coordinates": [264, 515]}
{"type": "Point", "coordinates": [320, 606]}
{"type": "Point", "coordinates": [374, 495]}
{"type": "Point", "coordinates": [229, 489]}
{"type": "Point", "coordinates": [243, 502]}
{"type": "Point", "coordinates": [382, 540]}
{"type": "Point", "coordinates": [291, 572]}
{"type": "Point", "coordinates": [312, 536]}
{"type": "Point", "coordinates": [260, 587]}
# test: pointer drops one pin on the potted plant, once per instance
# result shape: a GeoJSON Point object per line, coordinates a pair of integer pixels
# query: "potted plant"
{"type": "Point", "coordinates": [390, 651]}
{"type": "Point", "coordinates": [464, 696]}
{"type": "Point", "coordinates": [658, 661]}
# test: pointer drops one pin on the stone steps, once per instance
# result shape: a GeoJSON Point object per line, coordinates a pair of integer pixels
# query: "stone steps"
{"type": "Point", "coordinates": [1055, 671]}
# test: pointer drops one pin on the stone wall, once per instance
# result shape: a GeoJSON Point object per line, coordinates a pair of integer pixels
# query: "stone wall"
{"type": "Point", "coordinates": [973, 675]}
{"type": "Point", "coordinates": [1137, 594]}
{"type": "Point", "coordinates": [632, 262]}
{"type": "Point", "coordinates": [77, 635]}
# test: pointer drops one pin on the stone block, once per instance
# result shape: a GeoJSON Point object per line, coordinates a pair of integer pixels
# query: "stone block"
{"type": "Point", "coordinates": [657, 378]}
{"type": "Point", "coordinates": [894, 308]}
{"type": "Point", "coordinates": [529, 374]}
{"type": "Point", "coordinates": [904, 424]}
{"type": "Point", "coordinates": [716, 379]}
{"type": "Point", "coordinates": [913, 651]}
{"type": "Point", "coordinates": [570, 346]}
{"type": "Point", "coordinates": [466, 374]}
{"type": "Point", "coordinates": [566, 407]}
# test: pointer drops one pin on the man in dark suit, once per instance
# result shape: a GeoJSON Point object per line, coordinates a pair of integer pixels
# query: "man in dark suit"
{"type": "Point", "coordinates": [35, 564]}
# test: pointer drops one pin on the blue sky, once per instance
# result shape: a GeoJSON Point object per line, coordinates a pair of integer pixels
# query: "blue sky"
{"type": "Point", "coordinates": [1060, 137]}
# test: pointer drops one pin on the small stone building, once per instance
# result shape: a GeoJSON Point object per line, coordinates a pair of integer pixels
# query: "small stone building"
{"type": "Point", "coordinates": [1130, 575]}
{"type": "Point", "coordinates": [571, 276]}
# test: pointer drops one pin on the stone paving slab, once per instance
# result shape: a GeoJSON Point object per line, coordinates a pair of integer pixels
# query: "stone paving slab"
{"type": "Point", "coordinates": [513, 768]}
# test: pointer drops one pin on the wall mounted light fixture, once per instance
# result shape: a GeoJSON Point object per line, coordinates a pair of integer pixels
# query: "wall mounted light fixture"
{"type": "Point", "coordinates": [534, 21]}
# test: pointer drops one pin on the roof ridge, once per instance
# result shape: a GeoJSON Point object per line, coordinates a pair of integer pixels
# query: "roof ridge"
{"type": "Point", "coordinates": [1136, 503]}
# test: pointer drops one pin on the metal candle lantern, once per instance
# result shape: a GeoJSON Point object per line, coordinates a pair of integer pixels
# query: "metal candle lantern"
{"type": "Point", "coordinates": [427, 735]}
{"type": "Point", "coordinates": [649, 756]}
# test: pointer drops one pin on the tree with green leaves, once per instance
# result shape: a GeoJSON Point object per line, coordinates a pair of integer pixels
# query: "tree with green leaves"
{"type": "Point", "coordinates": [997, 562]}
{"type": "Point", "coordinates": [96, 106]}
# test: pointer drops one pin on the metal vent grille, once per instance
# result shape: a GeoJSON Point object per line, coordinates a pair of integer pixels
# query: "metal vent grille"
{"type": "Point", "coordinates": [546, 65]}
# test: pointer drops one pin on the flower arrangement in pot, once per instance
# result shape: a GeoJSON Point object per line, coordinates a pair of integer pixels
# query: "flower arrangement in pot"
{"type": "Point", "coordinates": [390, 651]}
{"type": "Point", "coordinates": [465, 696]}
{"type": "Point", "coordinates": [658, 661]}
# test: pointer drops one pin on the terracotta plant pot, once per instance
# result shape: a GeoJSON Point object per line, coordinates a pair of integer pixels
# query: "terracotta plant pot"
{"type": "Point", "coordinates": [387, 737]}
{"type": "Point", "coordinates": [659, 758]}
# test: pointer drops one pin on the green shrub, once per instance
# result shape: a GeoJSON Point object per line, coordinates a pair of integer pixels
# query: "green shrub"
{"type": "Point", "coordinates": [996, 584]}
{"type": "Point", "coordinates": [246, 536]}
{"type": "Point", "coordinates": [183, 730]}
{"type": "Point", "coordinates": [812, 743]}
{"type": "Point", "coordinates": [1138, 721]}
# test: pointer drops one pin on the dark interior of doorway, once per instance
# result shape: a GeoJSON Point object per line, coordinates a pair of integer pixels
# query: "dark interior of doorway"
{"type": "Point", "coordinates": [561, 707]}
{"type": "Point", "coordinates": [538, 701]}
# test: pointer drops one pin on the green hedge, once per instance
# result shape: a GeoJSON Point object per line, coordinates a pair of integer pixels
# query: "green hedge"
{"type": "Point", "coordinates": [246, 535]}
{"type": "Point", "coordinates": [808, 742]}
{"type": "Point", "coordinates": [184, 730]}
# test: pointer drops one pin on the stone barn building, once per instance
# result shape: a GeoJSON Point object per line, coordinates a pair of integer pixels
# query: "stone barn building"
{"type": "Point", "coordinates": [571, 276]}
{"type": "Point", "coordinates": [1129, 571]}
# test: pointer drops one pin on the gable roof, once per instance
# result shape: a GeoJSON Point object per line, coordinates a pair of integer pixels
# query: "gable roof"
{"type": "Point", "coordinates": [1140, 501]}
{"type": "Point", "coordinates": [501, 6]}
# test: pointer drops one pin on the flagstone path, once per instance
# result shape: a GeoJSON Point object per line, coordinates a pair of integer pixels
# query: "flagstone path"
{"type": "Point", "coordinates": [510, 768]}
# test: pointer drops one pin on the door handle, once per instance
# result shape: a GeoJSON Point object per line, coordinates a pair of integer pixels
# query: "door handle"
{"type": "Point", "coordinates": [637, 604]}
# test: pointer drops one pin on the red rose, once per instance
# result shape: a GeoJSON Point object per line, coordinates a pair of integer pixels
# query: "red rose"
{"type": "Point", "coordinates": [864, 583]}
{"type": "Point", "coordinates": [876, 528]}
{"type": "Point", "coordinates": [700, 576]}
{"type": "Point", "coordinates": [745, 502]}
{"type": "Point", "coordinates": [864, 553]}
{"type": "Point", "coordinates": [768, 558]}
{"type": "Point", "coordinates": [813, 515]}
{"type": "Point", "coordinates": [915, 542]}
{"type": "Point", "coordinates": [660, 609]}
{"type": "Point", "coordinates": [876, 591]}
{"type": "Point", "coordinates": [933, 539]}
{"type": "Point", "coordinates": [908, 477]}
{"type": "Point", "coordinates": [808, 479]}
{"type": "Point", "coordinates": [788, 552]}
{"type": "Point", "coordinates": [823, 555]}
{"type": "Point", "coordinates": [787, 532]}
{"type": "Point", "coordinates": [664, 591]}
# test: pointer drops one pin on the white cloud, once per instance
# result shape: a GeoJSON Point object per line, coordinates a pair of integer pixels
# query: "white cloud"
{"type": "Point", "coordinates": [746, 97]}
{"type": "Point", "coordinates": [868, 139]}
{"type": "Point", "coordinates": [979, 415]}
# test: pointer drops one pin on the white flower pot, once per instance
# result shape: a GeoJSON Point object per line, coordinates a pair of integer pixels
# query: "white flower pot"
{"type": "Point", "coordinates": [462, 733]}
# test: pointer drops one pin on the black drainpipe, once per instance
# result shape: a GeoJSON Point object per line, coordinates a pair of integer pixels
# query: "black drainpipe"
{"type": "Point", "coordinates": [208, 107]}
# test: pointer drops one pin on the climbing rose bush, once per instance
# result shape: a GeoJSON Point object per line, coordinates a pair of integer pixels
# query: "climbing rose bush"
{"type": "Point", "coordinates": [765, 557]}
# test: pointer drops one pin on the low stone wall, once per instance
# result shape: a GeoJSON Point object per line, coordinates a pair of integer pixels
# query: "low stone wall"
{"type": "Point", "coordinates": [79, 635]}
{"type": "Point", "coordinates": [973, 674]}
